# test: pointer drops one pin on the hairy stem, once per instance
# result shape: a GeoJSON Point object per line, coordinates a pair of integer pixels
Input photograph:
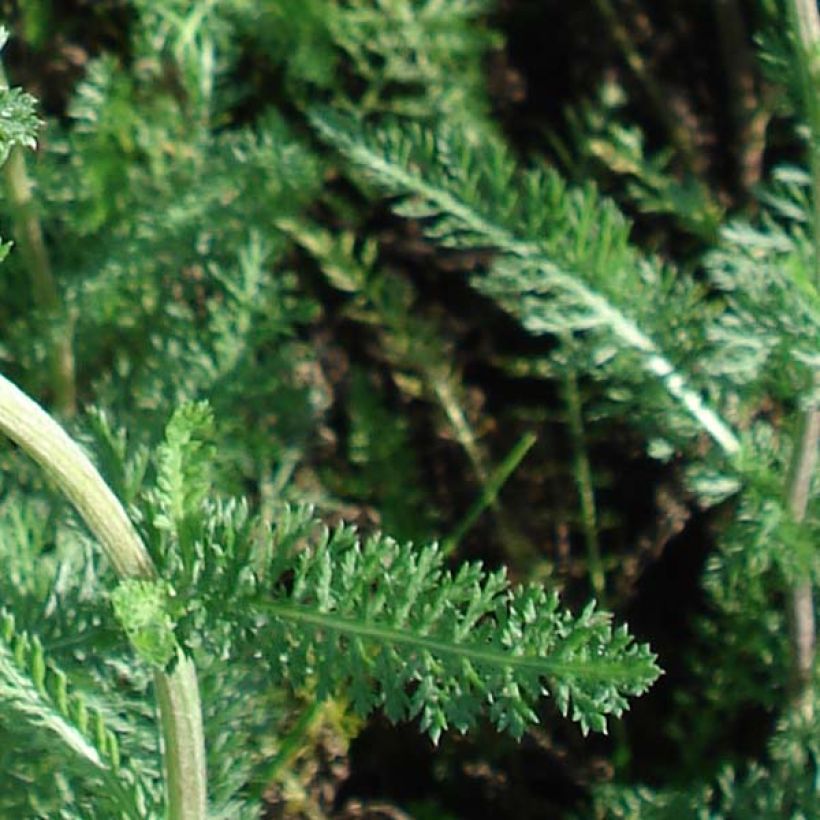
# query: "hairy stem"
{"type": "Point", "coordinates": [802, 599]}
{"type": "Point", "coordinates": [30, 427]}
{"type": "Point", "coordinates": [805, 24]}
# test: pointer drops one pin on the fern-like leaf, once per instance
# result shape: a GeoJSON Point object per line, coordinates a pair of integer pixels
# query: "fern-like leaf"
{"type": "Point", "coordinates": [564, 263]}
{"type": "Point", "coordinates": [184, 475]}
{"type": "Point", "coordinates": [390, 627]}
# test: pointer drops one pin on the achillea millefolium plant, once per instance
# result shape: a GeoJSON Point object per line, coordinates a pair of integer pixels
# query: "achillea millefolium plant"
{"type": "Point", "coordinates": [228, 360]}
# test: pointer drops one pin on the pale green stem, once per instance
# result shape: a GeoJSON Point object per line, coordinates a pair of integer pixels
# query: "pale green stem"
{"type": "Point", "coordinates": [180, 714]}
{"type": "Point", "coordinates": [802, 597]}
{"type": "Point", "coordinates": [806, 27]}
{"type": "Point", "coordinates": [805, 24]}
{"type": "Point", "coordinates": [183, 740]}
{"type": "Point", "coordinates": [29, 426]}
{"type": "Point", "coordinates": [518, 548]}
{"type": "Point", "coordinates": [292, 743]}
{"type": "Point", "coordinates": [442, 386]}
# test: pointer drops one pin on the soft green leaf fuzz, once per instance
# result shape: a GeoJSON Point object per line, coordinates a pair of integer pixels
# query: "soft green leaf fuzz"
{"type": "Point", "coordinates": [23, 685]}
{"type": "Point", "coordinates": [184, 467]}
{"type": "Point", "coordinates": [180, 197]}
{"type": "Point", "coordinates": [18, 120]}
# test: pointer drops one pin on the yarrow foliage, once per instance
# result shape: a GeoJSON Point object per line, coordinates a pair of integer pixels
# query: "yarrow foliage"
{"type": "Point", "coordinates": [176, 235]}
{"type": "Point", "coordinates": [564, 263]}
{"type": "Point", "coordinates": [395, 629]}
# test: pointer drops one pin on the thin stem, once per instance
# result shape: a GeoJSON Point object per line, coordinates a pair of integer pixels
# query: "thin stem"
{"type": "Point", "coordinates": [582, 470]}
{"type": "Point", "coordinates": [291, 744]}
{"type": "Point", "coordinates": [492, 486]}
{"type": "Point", "coordinates": [443, 383]}
{"type": "Point", "coordinates": [30, 427]}
{"type": "Point", "coordinates": [805, 24]}
{"type": "Point", "coordinates": [583, 480]}
{"type": "Point", "coordinates": [801, 604]}
{"type": "Point", "coordinates": [28, 233]}
{"type": "Point", "coordinates": [442, 386]}
{"type": "Point", "coordinates": [804, 645]}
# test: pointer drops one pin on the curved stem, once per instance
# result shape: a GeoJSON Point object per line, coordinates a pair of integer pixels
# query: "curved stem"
{"type": "Point", "coordinates": [29, 426]}
{"type": "Point", "coordinates": [180, 714]}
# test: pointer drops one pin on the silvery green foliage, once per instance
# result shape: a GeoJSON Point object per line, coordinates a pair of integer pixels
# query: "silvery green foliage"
{"type": "Point", "coordinates": [74, 733]}
{"type": "Point", "coordinates": [160, 209]}
{"type": "Point", "coordinates": [384, 626]}
{"type": "Point", "coordinates": [176, 282]}
{"type": "Point", "coordinates": [411, 46]}
{"type": "Point", "coordinates": [563, 253]}
{"type": "Point", "coordinates": [18, 120]}
{"type": "Point", "coordinates": [563, 262]}
{"type": "Point", "coordinates": [56, 687]}
{"type": "Point", "coordinates": [378, 55]}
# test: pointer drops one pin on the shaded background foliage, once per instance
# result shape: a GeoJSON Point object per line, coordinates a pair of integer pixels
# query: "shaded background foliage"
{"type": "Point", "coordinates": [207, 245]}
